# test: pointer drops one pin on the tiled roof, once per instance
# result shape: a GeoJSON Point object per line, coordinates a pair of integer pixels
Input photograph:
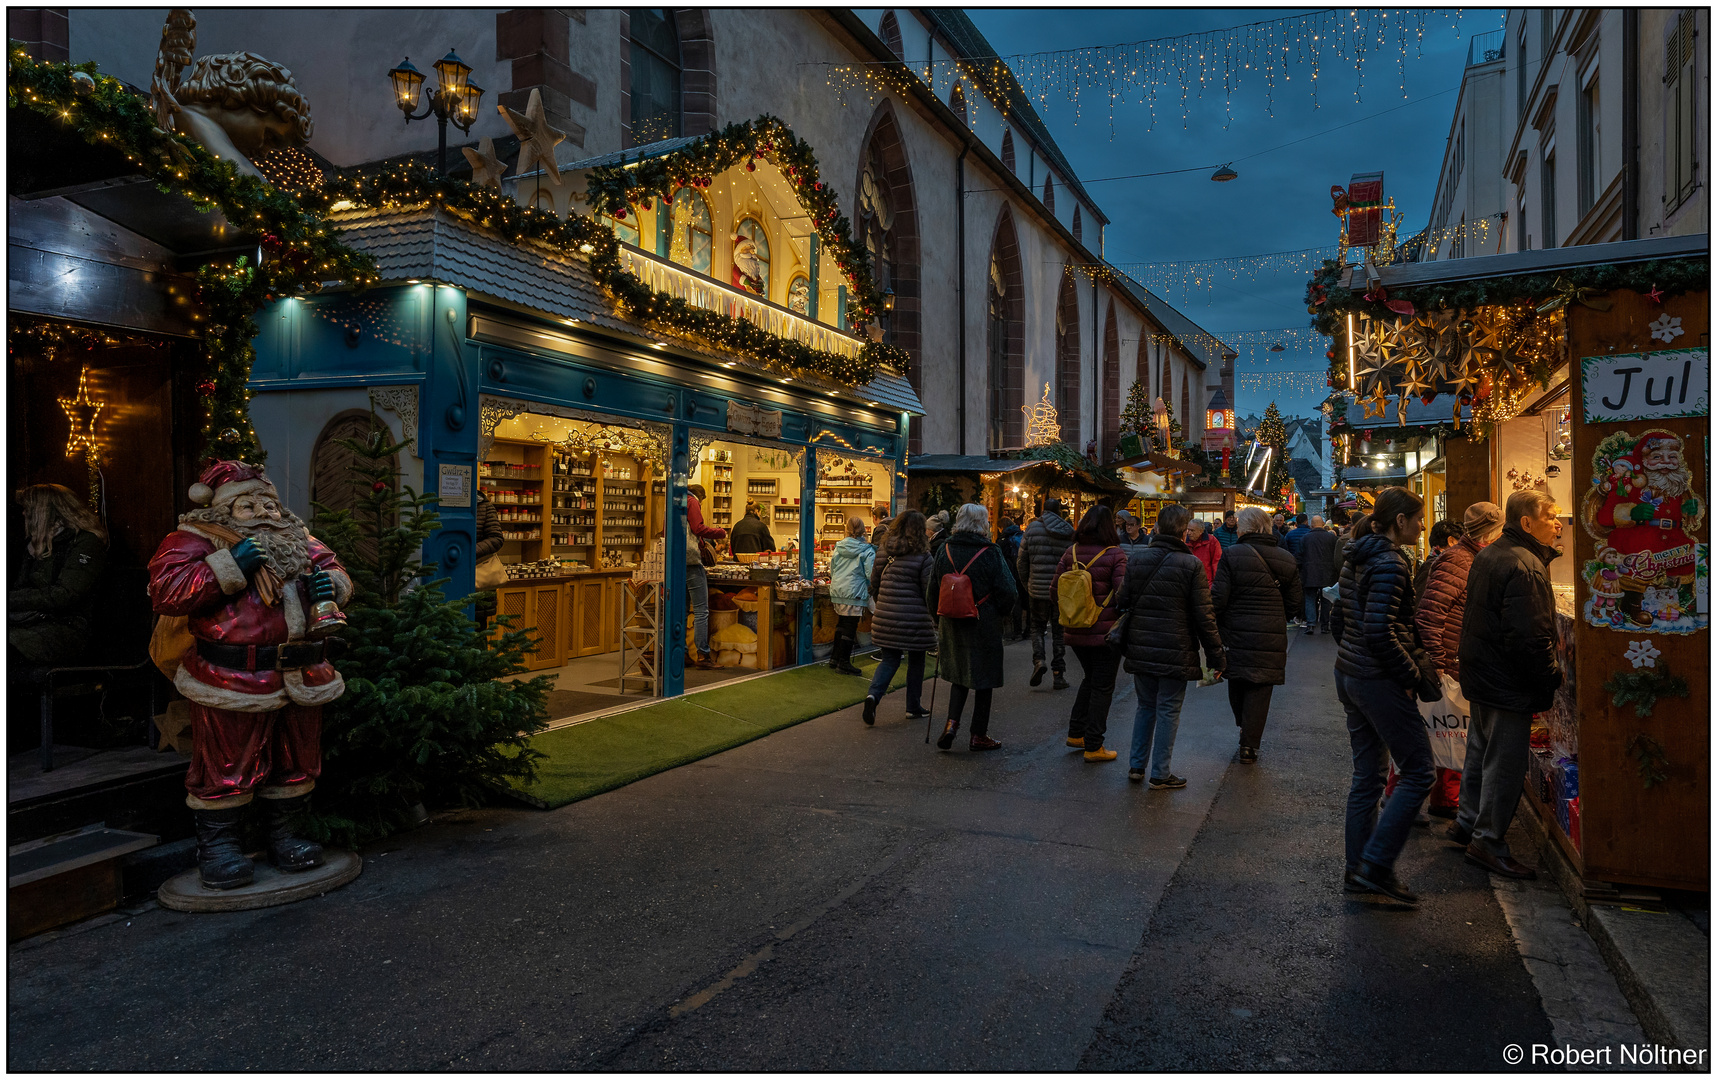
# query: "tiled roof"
{"type": "Point", "coordinates": [443, 247]}
{"type": "Point", "coordinates": [953, 24]}
{"type": "Point", "coordinates": [966, 463]}
{"type": "Point", "coordinates": [637, 153]}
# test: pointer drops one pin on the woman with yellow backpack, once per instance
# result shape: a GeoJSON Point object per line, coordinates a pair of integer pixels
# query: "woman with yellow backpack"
{"type": "Point", "coordinates": [1087, 584]}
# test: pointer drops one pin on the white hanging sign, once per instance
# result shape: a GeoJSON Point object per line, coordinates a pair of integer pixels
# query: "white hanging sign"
{"type": "Point", "coordinates": [753, 420]}
{"type": "Point", "coordinates": [1646, 386]}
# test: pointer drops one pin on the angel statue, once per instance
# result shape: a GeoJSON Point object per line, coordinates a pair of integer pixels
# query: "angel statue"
{"type": "Point", "coordinates": [237, 105]}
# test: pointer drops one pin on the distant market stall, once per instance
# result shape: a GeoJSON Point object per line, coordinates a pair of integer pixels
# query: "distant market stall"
{"type": "Point", "coordinates": [1583, 372]}
{"type": "Point", "coordinates": [1009, 487]}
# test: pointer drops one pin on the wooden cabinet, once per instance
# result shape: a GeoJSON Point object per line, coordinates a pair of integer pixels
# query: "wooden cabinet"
{"type": "Point", "coordinates": [586, 617]}
{"type": "Point", "coordinates": [569, 617]}
{"type": "Point", "coordinates": [535, 608]}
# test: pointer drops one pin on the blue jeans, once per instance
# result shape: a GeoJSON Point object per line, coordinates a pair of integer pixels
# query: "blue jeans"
{"type": "Point", "coordinates": [697, 594]}
{"type": "Point", "coordinates": [1156, 722]}
{"type": "Point", "coordinates": [1382, 723]}
{"type": "Point", "coordinates": [1317, 609]}
{"type": "Point", "coordinates": [888, 662]}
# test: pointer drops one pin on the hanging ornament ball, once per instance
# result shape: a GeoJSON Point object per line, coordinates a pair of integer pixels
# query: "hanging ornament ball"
{"type": "Point", "coordinates": [206, 387]}
{"type": "Point", "coordinates": [645, 205]}
{"type": "Point", "coordinates": [83, 82]}
{"type": "Point", "coordinates": [379, 486]}
{"type": "Point", "coordinates": [751, 166]}
{"type": "Point", "coordinates": [1329, 354]}
{"type": "Point", "coordinates": [229, 435]}
{"type": "Point", "coordinates": [1427, 398]}
{"type": "Point", "coordinates": [620, 214]}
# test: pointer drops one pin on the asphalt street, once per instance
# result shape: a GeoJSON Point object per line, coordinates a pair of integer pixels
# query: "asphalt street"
{"type": "Point", "coordinates": [840, 897]}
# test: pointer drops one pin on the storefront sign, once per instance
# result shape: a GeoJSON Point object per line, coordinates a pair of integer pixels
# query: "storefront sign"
{"type": "Point", "coordinates": [1644, 510]}
{"type": "Point", "coordinates": [753, 420]}
{"type": "Point", "coordinates": [455, 485]}
{"type": "Point", "coordinates": [1646, 386]}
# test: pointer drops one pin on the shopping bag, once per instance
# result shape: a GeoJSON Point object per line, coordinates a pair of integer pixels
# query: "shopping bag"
{"type": "Point", "coordinates": [1446, 721]}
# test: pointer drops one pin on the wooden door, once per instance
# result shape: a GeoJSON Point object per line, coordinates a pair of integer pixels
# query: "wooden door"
{"type": "Point", "coordinates": [514, 601]}
{"type": "Point", "coordinates": [585, 609]}
{"type": "Point", "coordinates": [545, 616]}
{"type": "Point", "coordinates": [613, 612]}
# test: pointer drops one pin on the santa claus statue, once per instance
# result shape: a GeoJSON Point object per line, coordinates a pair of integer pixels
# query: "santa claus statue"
{"type": "Point", "coordinates": [246, 575]}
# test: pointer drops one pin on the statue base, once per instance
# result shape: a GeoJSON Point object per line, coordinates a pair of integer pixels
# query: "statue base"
{"type": "Point", "coordinates": [185, 892]}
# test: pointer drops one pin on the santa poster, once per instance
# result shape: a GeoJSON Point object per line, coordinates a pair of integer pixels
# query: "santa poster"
{"type": "Point", "coordinates": [1643, 509]}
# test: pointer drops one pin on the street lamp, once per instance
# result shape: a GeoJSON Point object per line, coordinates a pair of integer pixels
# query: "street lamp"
{"type": "Point", "coordinates": [1224, 174]}
{"type": "Point", "coordinates": [455, 99]}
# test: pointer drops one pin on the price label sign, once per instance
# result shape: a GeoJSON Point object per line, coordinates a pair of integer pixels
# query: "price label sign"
{"type": "Point", "coordinates": [455, 487]}
{"type": "Point", "coordinates": [1646, 386]}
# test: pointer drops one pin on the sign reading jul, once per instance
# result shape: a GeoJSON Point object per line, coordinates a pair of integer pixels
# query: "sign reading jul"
{"type": "Point", "coordinates": [1646, 386]}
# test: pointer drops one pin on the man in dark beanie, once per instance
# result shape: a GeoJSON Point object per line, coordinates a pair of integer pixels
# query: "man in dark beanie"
{"type": "Point", "coordinates": [1046, 540]}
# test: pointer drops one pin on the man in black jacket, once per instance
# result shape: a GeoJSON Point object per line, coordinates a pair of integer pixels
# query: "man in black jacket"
{"type": "Point", "coordinates": [751, 535]}
{"type": "Point", "coordinates": [1046, 540]}
{"type": "Point", "coordinates": [1168, 598]}
{"type": "Point", "coordinates": [1319, 566]}
{"type": "Point", "coordinates": [1508, 672]}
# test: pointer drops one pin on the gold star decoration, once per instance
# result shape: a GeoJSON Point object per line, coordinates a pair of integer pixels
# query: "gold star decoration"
{"type": "Point", "coordinates": [1465, 377]}
{"type": "Point", "coordinates": [1415, 384]}
{"type": "Point", "coordinates": [536, 139]}
{"type": "Point", "coordinates": [486, 166]}
{"type": "Point", "coordinates": [1377, 403]}
{"type": "Point", "coordinates": [81, 411]}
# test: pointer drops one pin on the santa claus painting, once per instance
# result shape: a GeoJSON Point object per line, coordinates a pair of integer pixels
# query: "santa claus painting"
{"type": "Point", "coordinates": [244, 573]}
{"type": "Point", "coordinates": [747, 267]}
{"type": "Point", "coordinates": [1644, 511]}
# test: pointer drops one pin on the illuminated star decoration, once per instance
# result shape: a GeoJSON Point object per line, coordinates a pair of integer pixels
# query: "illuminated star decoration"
{"type": "Point", "coordinates": [486, 167]}
{"type": "Point", "coordinates": [81, 411]}
{"type": "Point", "coordinates": [536, 139]}
{"type": "Point", "coordinates": [1378, 403]}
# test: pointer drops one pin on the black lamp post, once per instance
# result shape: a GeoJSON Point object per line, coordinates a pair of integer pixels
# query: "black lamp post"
{"type": "Point", "coordinates": [455, 99]}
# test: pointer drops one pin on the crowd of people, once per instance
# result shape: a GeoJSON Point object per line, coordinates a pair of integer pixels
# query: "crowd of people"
{"type": "Point", "coordinates": [1190, 601]}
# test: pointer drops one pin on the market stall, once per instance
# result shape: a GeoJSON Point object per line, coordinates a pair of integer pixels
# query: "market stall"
{"type": "Point", "coordinates": [1582, 372]}
{"type": "Point", "coordinates": [1008, 487]}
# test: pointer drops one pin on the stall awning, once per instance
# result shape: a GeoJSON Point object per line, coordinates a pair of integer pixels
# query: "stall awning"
{"type": "Point", "coordinates": [1545, 261]}
{"type": "Point", "coordinates": [435, 246]}
{"type": "Point", "coordinates": [968, 463]}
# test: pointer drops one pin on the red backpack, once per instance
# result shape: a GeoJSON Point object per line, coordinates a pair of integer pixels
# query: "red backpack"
{"type": "Point", "coordinates": [954, 595]}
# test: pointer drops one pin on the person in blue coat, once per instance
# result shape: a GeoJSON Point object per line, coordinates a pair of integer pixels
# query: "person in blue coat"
{"type": "Point", "coordinates": [849, 591]}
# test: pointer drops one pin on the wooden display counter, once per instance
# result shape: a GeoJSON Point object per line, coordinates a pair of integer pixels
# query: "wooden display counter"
{"type": "Point", "coordinates": [572, 616]}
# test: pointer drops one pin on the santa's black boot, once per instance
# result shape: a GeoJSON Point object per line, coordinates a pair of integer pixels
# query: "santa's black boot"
{"type": "Point", "coordinates": [221, 862]}
{"type": "Point", "coordinates": [286, 851]}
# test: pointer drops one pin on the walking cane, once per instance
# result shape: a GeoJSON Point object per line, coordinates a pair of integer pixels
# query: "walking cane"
{"type": "Point", "coordinates": [930, 716]}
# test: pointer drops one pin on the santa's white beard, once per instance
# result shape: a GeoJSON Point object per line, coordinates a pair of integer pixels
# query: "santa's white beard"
{"type": "Point", "coordinates": [286, 542]}
{"type": "Point", "coordinates": [1671, 480]}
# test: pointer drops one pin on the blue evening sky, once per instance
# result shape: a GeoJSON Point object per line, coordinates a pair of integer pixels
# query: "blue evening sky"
{"type": "Point", "coordinates": [1281, 199]}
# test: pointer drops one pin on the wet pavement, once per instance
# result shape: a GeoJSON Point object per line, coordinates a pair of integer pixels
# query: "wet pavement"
{"type": "Point", "coordinates": [840, 897]}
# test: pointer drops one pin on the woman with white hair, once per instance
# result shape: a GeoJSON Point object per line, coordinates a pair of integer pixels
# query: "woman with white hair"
{"type": "Point", "coordinates": [1256, 591]}
{"type": "Point", "coordinates": [969, 641]}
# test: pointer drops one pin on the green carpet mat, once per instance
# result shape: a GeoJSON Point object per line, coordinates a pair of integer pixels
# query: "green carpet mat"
{"type": "Point", "coordinates": [613, 751]}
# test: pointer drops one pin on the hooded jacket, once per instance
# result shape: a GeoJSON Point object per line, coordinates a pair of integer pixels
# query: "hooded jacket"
{"type": "Point", "coordinates": [849, 571]}
{"type": "Point", "coordinates": [1169, 598]}
{"type": "Point", "coordinates": [1508, 631]}
{"type": "Point", "coordinates": [1373, 620]}
{"type": "Point", "coordinates": [1443, 605]}
{"type": "Point", "coordinates": [1209, 551]}
{"type": "Point", "coordinates": [1257, 587]}
{"type": "Point", "coordinates": [1040, 552]}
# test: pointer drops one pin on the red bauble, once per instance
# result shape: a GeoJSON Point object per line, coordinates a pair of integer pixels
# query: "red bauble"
{"type": "Point", "coordinates": [620, 214]}
{"type": "Point", "coordinates": [206, 387]}
{"type": "Point", "coordinates": [379, 486]}
{"type": "Point", "coordinates": [645, 205]}
{"type": "Point", "coordinates": [818, 186]}
{"type": "Point", "coordinates": [751, 166]}
{"type": "Point", "coordinates": [1427, 398]}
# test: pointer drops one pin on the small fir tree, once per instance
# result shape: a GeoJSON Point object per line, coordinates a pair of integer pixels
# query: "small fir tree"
{"type": "Point", "coordinates": [426, 716]}
{"type": "Point", "coordinates": [1136, 417]}
{"type": "Point", "coordinates": [1272, 432]}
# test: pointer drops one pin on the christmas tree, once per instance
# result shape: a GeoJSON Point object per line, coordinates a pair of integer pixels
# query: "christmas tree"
{"type": "Point", "coordinates": [1174, 425]}
{"type": "Point", "coordinates": [426, 717]}
{"type": "Point", "coordinates": [1136, 417]}
{"type": "Point", "coordinates": [1274, 434]}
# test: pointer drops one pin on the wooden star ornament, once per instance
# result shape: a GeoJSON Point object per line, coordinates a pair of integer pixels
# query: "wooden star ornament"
{"type": "Point", "coordinates": [1377, 404]}
{"type": "Point", "coordinates": [486, 166]}
{"type": "Point", "coordinates": [536, 138]}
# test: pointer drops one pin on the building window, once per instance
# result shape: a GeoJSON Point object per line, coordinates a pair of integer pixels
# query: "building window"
{"type": "Point", "coordinates": [1458, 246]}
{"type": "Point", "coordinates": [1078, 227]}
{"type": "Point", "coordinates": [876, 226]}
{"type": "Point", "coordinates": [751, 242]}
{"type": "Point", "coordinates": [1049, 193]}
{"type": "Point", "coordinates": [1520, 73]}
{"type": "Point", "coordinates": [1547, 196]}
{"type": "Point", "coordinates": [626, 230]}
{"type": "Point", "coordinates": [891, 34]}
{"type": "Point", "coordinates": [1067, 359]}
{"type": "Point", "coordinates": [1008, 151]}
{"type": "Point", "coordinates": [1006, 339]}
{"type": "Point", "coordinates": [1522, 240]}
{"type": "Point", "coordinates": [1588, 150]}
{"type": "Point", "coordinates": [957, 102]}
{"type": "Point", "coordinates": [1165, 379]}
{"type": "Point", "coordinates": [693, 239]}
{"type": "Point", "coordinates": [1680, 112]}
{"type": "Point", "coordinates": [544, 201]}
{"type": "Point", "coordinates": [655, 76]}
{"type": "Point", "coordinates": [1110, 423]}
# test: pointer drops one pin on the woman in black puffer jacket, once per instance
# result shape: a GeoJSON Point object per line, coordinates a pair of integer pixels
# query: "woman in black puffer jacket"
{"type": "Point", "coordinates": [1257, 589]}
{"type": "Point", "coordinates": [901, 624]}
{"type": "Point", "coordinates": [1379, 668]}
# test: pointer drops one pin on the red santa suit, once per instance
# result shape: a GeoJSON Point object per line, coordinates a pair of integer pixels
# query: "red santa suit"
{"type": "Point", "coordinates": [1647, 527]}
{"type": "Point", "coordinates": [256, 729]}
